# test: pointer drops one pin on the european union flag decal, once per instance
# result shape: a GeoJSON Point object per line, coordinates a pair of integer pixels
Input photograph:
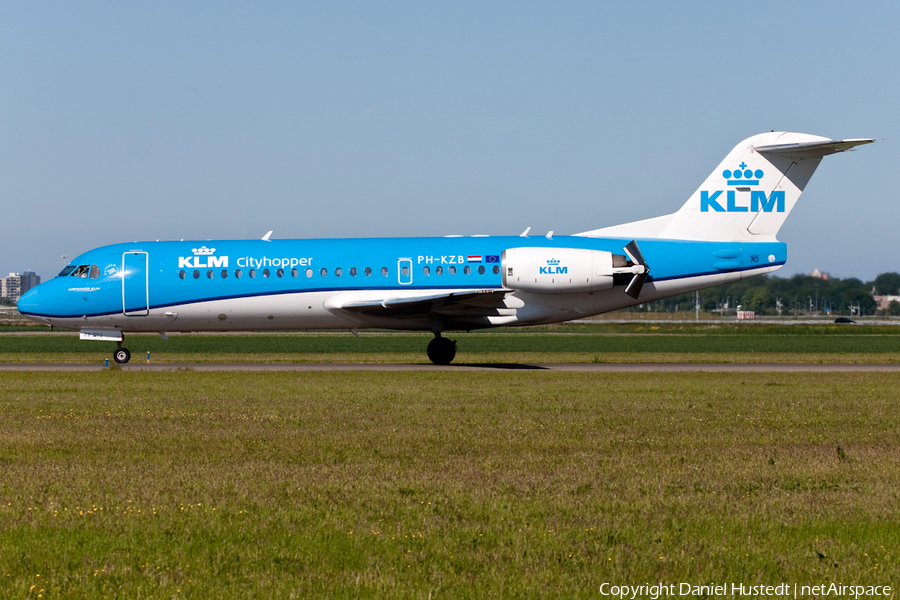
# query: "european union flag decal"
{"type": "Point", "coordinates": [492, 258]}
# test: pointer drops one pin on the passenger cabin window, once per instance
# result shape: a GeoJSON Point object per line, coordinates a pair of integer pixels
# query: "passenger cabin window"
{"type": "Point", "coordinates": [196, 274]}
{"type": "Point", "coordinates": [352, 271]}
{"type": "Point", "coordinates": [251, 273]}
{"type": "Point", "coordinates": [224, 273]}
{"type": "Point", "coordinates": [425, 270]}
{"type": "Point", "coordinates": [323, 272]}
{"type": "Point", "coordinates": [384, 271]}
{"type": "Point", "coordinates": [280, 272]}
{"type": "Point", "coordinates": [452, 270]}
{"type": "Point", "coordinates": [210, 274]}
{"type": "Point", "coordinates": [368, 271]}
{"type": "Point", "coordinates": [404, 271]}
{"type": "Point", "coordinates": [181, 274]}
{"type": "Point", "coordinates": [439, 270]}
{"type": "Point", "coordinates": [467, 269]}
{"type": "Point", "coordinates": [237, 274]}
{"type": "Point", "coordinates": [265, 273]}
{"type": "Point", "coordinates": [496, 269]}
{"type": "Point", "coordinates": [338, 272]}
{"type": "Point", "coordinates": [309, 272]}
{"type": "Point", "coordinates": [294, 272]}
{"type": "Point", "coordinates": [481, 269]}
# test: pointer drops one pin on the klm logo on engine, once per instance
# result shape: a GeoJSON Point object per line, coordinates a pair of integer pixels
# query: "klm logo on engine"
{"type": "Point", "coordinates": [742, 179]}
{"type": "Point", "coordinates": [203, 258]}
{"type": "Point", "coordinates": [553, 268]}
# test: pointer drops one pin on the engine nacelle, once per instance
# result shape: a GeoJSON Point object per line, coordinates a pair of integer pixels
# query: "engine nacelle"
{"type": "Point", "coordinates": [559, 270]}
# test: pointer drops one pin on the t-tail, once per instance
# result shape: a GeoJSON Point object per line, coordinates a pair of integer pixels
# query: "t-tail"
{"type": "Point", "coordinates": [748, 196]}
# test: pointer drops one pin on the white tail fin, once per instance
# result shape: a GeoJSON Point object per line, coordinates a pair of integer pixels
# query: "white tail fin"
{"type": "Point", "coordinates": [748, 196]}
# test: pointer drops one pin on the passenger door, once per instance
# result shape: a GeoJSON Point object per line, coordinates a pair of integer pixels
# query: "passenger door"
{"type": "Point", "coordinates": [135, 284]}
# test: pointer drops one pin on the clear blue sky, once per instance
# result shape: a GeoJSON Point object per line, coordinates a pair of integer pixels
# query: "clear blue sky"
{"type": "Point", "coordinates": [129, 121]}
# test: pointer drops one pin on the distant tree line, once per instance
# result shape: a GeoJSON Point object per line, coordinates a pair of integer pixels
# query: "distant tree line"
{"type": "Point", "coordinates": [797, 295]}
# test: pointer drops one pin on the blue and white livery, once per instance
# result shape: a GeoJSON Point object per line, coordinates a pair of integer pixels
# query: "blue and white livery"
{"type": "Point", "coordinates": [724, 232]}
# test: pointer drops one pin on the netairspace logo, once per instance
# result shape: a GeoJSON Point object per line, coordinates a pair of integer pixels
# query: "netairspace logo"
{"type": "Point", "coordinates": [742, 178]}
{"type": "Point", "coordinates": [737, 590]}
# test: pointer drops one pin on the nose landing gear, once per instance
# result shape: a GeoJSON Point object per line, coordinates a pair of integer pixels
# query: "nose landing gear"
{"type": "Point", "coordinates": [441, 351]}
{"type": "Point", "coordinates": [121, 355]}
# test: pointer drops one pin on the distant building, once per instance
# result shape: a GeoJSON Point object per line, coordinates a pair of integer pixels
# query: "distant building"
{"type": "Point", "coordinates": [820, 275]}
{"type": "Point", "coordinates": [882, 302]}
{"type": "Point", "coordinates": [15, 285]}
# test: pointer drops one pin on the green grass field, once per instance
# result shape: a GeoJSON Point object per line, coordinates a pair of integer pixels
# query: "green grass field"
{"type": "Point", "coordinates": [568, 343]}
{"type": "Point", "coordinates": [442, 484]}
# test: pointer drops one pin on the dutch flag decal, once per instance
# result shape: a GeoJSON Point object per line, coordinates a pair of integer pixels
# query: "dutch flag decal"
{"type": "Point", "coordinates": [474, 258]}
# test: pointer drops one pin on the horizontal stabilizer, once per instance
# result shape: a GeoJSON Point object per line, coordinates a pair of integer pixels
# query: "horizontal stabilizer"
{"type": "Point", "coordinates": [806, 150]}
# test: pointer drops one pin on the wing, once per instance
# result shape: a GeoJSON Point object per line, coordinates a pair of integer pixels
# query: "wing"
{"type": "Point", "coordinates": [468, 303]}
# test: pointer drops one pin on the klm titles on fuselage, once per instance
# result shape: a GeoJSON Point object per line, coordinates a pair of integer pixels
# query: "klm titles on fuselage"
{"type": "Point", "coordinates": [204, 258]}
{"type": "Point", "coordinates": [743, 178]}
{"type": "Point", "coordinates": [211, 262]}
{"type": "Point", "coordinates": [207, 262]}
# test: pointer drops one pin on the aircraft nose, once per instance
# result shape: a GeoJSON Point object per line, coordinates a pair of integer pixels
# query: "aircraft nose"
{"type": "Point", "coordinates": [28, 302]}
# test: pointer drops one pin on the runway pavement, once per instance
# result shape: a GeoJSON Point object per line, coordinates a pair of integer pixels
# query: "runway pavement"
{"type": "Point", "coordinates": [564, 367]}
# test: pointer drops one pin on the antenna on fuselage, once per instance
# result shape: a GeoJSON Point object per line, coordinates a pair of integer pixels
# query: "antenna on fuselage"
{"type": "Point", "coordinates": [265, 238]}
{"type": "Point", "coordinates": [525, 233]}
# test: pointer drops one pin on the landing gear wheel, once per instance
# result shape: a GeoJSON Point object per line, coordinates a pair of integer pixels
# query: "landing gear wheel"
{"type": "Point", "coordinates": [441, 351]}
{"type": "Point", "coordinates": [122, 356]}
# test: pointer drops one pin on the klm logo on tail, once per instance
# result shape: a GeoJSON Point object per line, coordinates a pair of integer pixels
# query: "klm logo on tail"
{"type": "Point", "coordinates": [744, 178]}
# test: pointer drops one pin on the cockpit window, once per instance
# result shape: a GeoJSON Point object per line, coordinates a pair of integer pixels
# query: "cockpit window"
{"type": "Point", "coordinates": [92, 271]}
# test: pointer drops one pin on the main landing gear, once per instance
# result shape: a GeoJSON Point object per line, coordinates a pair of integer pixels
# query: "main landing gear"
{"type": "Point", "coordinates": [121, 355]}
{"type": "Point", "coordinates": [441, 351]}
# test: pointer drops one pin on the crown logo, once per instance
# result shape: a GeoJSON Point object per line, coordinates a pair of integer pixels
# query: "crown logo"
{"type": "Point", "coordinates": [203, 251]}
{"type": "Point", "coordinates": [742, 175]}
{"type": "Point", "coordinates": [553, 262]}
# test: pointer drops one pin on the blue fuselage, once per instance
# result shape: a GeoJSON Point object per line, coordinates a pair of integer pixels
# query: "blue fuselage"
{"type": "Point", "coordinates": [306, 284]}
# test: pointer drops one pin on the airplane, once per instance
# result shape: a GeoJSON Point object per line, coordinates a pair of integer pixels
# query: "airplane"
{"type": "Point", "coordinates": [723, 233]}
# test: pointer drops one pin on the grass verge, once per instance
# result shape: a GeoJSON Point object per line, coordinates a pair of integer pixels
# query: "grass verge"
{"type": "Point", "coordinates": [482, 347]}
{"type": "Point", "coordinates": [442, 484]}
